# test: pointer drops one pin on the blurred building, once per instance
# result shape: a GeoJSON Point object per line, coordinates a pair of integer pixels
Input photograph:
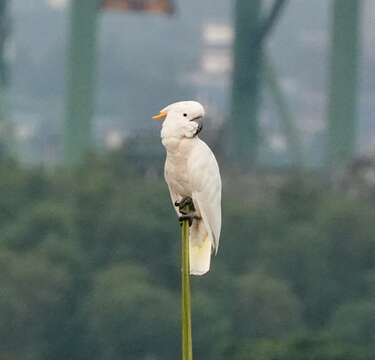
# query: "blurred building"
{"type": "Point", "coordinates": [146, 61]}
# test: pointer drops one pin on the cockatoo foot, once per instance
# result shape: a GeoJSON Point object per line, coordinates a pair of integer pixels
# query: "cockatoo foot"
{"type": "Point", "coordinates": [185, 205]}
{"type": "Point", "coordinates": [187, 210]}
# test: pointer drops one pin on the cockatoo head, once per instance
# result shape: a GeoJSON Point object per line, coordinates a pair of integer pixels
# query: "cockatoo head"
{"type": "Point", "coordinates": [183, 118]}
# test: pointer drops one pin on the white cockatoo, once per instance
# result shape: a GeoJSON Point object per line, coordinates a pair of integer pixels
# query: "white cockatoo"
{"type": "Point", "coordinates": [192, 174]}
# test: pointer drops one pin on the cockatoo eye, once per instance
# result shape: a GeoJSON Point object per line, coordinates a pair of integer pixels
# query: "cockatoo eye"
{"type": "Point", "coordinates": [185, 114]}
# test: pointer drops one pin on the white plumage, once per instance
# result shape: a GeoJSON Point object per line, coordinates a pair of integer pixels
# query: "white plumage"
{"type": "Point", "coordinates": [191, 170]}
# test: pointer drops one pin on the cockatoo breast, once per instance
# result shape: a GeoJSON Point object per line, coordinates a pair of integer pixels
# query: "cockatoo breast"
{"type": "Point", "coordinates": [178, 153]}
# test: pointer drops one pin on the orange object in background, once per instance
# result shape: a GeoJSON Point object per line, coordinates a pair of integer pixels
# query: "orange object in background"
{"type": "Point", "coordinates": [155, 6]}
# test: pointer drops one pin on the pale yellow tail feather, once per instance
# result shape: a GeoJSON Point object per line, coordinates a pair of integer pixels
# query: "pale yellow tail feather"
{"type": "Point", "coordinates": [200, 256]}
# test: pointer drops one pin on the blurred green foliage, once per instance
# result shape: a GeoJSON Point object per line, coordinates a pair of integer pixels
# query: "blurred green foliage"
{"type": "Point", "coordinates": [89, 268]}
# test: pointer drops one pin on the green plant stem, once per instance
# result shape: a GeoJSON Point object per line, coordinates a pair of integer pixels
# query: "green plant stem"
{"type": "Point", "coordinates": [187, 347]}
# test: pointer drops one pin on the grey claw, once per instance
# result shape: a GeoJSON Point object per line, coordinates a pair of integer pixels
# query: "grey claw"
{"type": "Point", "coordinates": [186, 204]}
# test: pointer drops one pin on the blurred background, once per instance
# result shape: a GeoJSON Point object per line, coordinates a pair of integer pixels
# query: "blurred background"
{"type": "Point", "coordinates": [89, 243]}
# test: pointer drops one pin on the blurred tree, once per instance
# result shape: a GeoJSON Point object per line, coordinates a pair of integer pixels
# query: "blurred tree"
{"type": "Point", "coordinates": [129, 317]}
{"type": "Point", "coordinates": [252, 225]}
{"type": "Point", "coordinates": [32, 294]}
{"type": "Point", "coordinates": [299, 199]}
{"type": "Point", "coordinates": [264, 307]}
{"type": "Point", "coordinates": [20, 189]}
{"type": "Point", "coordinates": [89, 268]}
{"type": "Point", "coordinates": [211, 326]}
{"type": "Point", "coordinates": [307, 348]}
{"type": "Point", "coordinates": [39, 223]}
{"type": "Point", "coordinates": [355, 322]}
{"type": "Point", "coordinates": [325, 256]}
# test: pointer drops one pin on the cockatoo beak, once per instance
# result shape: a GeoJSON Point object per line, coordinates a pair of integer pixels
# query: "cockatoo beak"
{"type": "Point", "coordinates": [161, 116]}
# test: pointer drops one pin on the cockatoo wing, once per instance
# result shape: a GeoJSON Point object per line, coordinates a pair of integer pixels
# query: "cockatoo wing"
{"type": "Point", "coordinates": [205, 180]}
{"type": "Point", "coordinates": [174, 196]}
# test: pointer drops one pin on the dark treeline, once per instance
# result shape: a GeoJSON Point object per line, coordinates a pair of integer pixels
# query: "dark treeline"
{"type": "Point", "coordinates": [89, 268]}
